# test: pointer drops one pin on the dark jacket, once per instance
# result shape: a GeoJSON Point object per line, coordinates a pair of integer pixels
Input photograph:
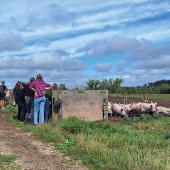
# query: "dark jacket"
{"type": "Point", "coordinates": [28, 91]}
{"type": "Point", "coordinates": [20, 96]}
{"type": "Point", "coordinates": [48, 94]}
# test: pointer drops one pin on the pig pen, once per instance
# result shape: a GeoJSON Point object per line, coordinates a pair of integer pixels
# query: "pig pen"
{"type": "Point", "coordinates": [89, 104]}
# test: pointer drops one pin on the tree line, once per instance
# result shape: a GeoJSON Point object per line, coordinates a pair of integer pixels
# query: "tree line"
{"type": "Point", "coordinates": [114, 86]}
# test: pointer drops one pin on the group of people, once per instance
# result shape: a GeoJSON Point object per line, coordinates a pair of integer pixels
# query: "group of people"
{"type": "Point", "coordinates": [33, 100]}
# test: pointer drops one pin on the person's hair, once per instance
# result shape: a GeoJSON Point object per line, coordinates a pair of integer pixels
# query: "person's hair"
{"type": "Point", "coordinates": [2, 82]}
{"type": "Point", "coordinates": [39, 76]}
{"type": "Point", "coordinates": [32, 79]}
{"type": "Point", "coordinates": [55, 86]}
{"type": "Point", "coordinates": [17, 86]}
{"type": "Point", "coordinates": [19, 82]}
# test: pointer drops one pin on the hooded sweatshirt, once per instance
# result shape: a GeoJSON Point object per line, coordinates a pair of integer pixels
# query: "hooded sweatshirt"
{"type": "Point", "coordinates": [39, 86]}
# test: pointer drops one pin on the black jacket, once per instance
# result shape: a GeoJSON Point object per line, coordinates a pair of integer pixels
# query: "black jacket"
{"type": "Point", "coordinates": [20, 96]}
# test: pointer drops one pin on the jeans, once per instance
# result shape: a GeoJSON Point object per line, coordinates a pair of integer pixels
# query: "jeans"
{"type": "Point", "coordinates": [39, 107]}
{"type": "Point", "coordinates": [30, 109]}
{"type": "Point", "coordinates": [47, 106]}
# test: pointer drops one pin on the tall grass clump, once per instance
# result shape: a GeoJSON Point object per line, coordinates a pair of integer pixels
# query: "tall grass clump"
{"type": "Point", "coordinates": [139, 143]}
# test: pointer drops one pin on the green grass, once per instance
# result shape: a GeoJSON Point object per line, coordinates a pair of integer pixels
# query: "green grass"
{"type": "Point", "coordinates": [5, 160]}
{"type": "Point", "coordinates": [150, 96]}
{"type": "Point", "coordinates": [132, 143]}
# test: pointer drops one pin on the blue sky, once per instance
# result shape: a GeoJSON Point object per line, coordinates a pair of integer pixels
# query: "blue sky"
{"type": "Point", "coordinates": [73, 41]}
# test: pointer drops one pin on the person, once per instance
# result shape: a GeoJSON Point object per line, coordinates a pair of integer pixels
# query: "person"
{"type": "Point", "coordinates": [48, 95]}
{"type": "Point", "coordinates": [29, 101]}
{"type": "Point", "coordinates": [38, 86]}
{"type": "Point", "coordinates": [20, 101]}
{"type": "Point", "coordinates": [3, 94]}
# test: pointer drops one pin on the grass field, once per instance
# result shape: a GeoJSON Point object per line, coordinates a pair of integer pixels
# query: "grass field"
{"type": "Point", "coordinates": [140, 143]}
{"type": "Point", "coordinates": [150, 96]}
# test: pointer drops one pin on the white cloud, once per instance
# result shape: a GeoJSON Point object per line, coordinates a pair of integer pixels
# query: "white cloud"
{"type": "Point", "coordinates": [42, 61]}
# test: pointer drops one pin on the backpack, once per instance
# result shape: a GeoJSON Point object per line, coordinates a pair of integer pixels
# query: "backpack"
{"type": "Point", "coordinates": [1, 89]}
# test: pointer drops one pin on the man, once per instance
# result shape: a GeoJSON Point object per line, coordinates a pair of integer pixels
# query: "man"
{"type": "Point", "coordinates": [3, 90]}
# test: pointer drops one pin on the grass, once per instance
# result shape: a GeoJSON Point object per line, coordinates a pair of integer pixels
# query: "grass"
{"type": "Point", "coordinates": [150, 96]}
{"type": "Point", "coordinates": [132, 143]}
{"type": "Point", "coordinates": [5, 160]}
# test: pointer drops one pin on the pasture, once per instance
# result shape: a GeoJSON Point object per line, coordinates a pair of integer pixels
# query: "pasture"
{"type": "Point", "coordinates": [126, 143]}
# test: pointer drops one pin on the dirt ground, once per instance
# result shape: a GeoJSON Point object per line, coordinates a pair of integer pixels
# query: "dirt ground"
{"type": "Point", "coordinates": [33, 154]}
{"type": "Point", "coordinates": [165, 103]}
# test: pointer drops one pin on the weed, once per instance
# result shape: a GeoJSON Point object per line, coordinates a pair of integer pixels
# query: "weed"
{"type": "Point", "coordinates": [67, 143]}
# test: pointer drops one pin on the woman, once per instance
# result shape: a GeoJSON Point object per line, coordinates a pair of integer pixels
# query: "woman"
{"type": "Point", "coordinates": [20, 101]}
{"type": "Point", "coordinates": [48, 95]}
{"type": "Point", "coordinates": [38, 86]}
{"type": "Point", "coordinates": [29, 101]}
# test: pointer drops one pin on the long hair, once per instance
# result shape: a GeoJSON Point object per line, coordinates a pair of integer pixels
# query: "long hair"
{"type": "Point", "coordinates": [32, 79]}
{"type": "Point", "coordinates": [39, 76]}
{"type": "Point", "coordinates": [17, 86]}
{"type": "Point", "coordinates": [55, 86]}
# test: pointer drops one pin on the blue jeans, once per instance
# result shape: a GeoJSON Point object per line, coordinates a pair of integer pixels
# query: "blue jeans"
{"type": "Point", "coordinates": [39, 107]}
{"type": "Point", "coordinates": [47, 106]}
{"type": "Point", "coordinates": [30, 109]}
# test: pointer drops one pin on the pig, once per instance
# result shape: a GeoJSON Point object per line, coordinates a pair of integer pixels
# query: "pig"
{"type": "Point", "coordinates": [110, 108]}
{"type": "Point", "coordinates": [136, 109]}
{"type": "Point", "coordinates": [118, 110]}
{"type": "Point", "coordinates": [149, 107]}
{"type": "Point", "coordinates": [163, 110]}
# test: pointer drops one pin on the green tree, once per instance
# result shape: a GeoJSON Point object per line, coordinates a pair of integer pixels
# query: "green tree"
{"type": "Point", "coordinates": [118, 83]}
{"type": "Point", "coordinates": [90, 84]}
{"type": "Point", "coordinates": [62, 86]}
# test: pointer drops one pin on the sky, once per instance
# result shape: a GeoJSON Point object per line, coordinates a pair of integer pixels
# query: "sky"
{"type": "Point", "coordinates": [73, 41]}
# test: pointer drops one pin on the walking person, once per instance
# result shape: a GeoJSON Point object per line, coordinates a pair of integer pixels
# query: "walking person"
{"type": "Point", "coordinates": [48, 96]}
{"type": "Point", "coordinates": [20, 101]}
{"type": "Point", "coordinates": [29, 102]}
{"type": "Point", "coordinates": [3, 90]}
{"type": "Point", "coordinates": [38, 86]}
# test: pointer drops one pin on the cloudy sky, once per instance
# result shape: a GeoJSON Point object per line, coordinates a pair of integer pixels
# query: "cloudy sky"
{"type": "Point", "coordinates": [73, 41]}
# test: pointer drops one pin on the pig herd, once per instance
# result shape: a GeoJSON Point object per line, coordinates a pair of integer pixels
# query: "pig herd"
{"type": "Point", "coordinates": [135, 109]}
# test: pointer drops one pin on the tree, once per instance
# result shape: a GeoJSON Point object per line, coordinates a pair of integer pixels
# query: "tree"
{"type": "Point", "coordinates": [117, 83]}
{"type": "Point", "coordinates": [90, 84]}
{"type": "Point", "coordinates": [62, 86]}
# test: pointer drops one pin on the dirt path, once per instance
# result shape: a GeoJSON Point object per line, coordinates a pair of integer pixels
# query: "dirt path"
{"type": "Point", "coordinates": [33, 155]}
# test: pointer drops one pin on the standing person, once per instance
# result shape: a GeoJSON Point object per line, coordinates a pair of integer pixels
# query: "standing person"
{"type": "Point", "coordinates": [29, 102]}
{"type": "Point", "coordinates": [15, 89]}
{"type": "Point", "coordinates": [48, 95]}
{"type": "Point", "coordinates": [38, 86]}
{"type": "Point", "coordinates": [3, 90]}
{"type": "Point", "coordinates": [20, 101]}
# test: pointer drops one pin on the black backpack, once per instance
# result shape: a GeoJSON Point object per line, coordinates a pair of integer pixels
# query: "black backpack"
{"type": "Point", "coordinates": [1, 89]}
